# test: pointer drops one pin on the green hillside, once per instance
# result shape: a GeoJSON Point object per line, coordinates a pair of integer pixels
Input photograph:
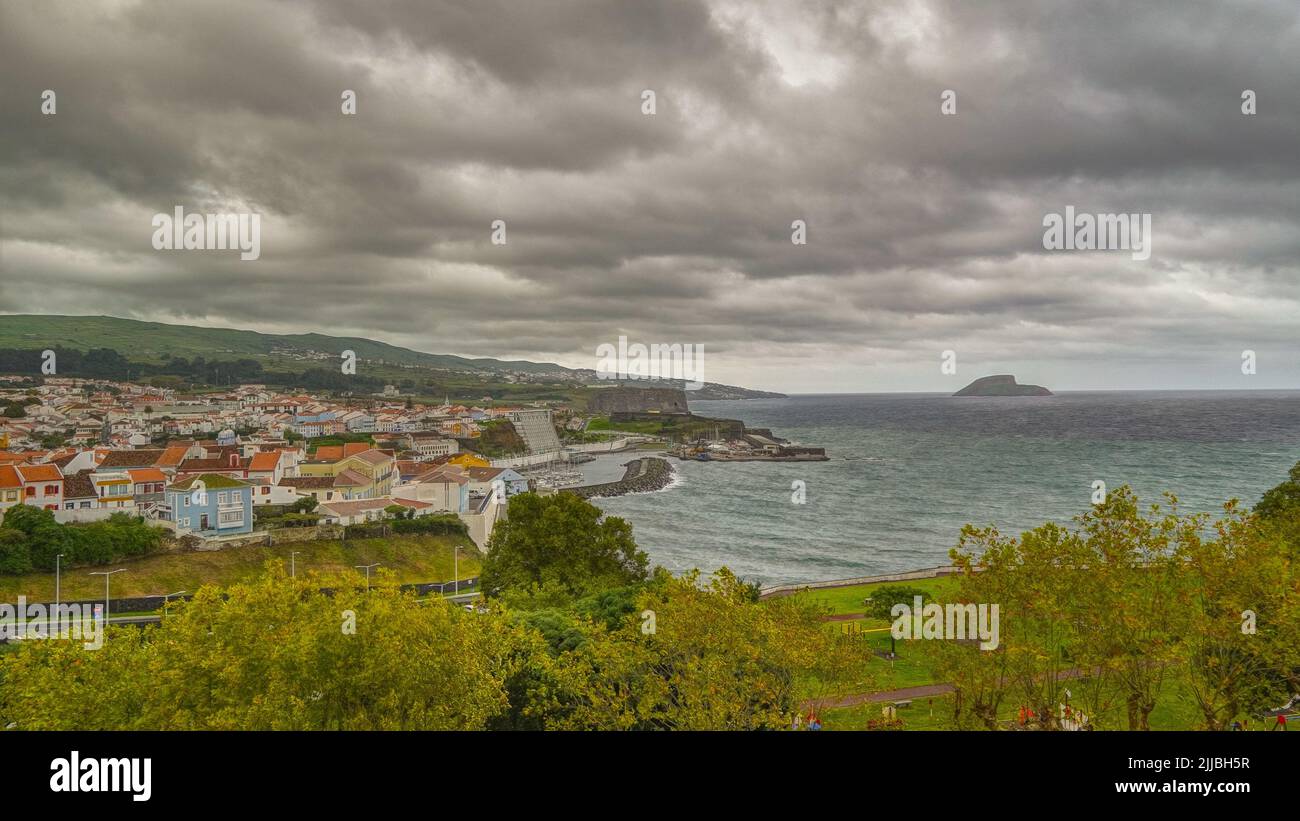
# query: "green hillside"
{"type": "Point", "coordinates": [151, 342]}
{"type": "Point", "coordinates": [148, 341]}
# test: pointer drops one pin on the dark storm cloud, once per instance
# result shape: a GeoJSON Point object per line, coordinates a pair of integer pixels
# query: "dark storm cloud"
{"type": "Point", "coordinates": [925, 231]}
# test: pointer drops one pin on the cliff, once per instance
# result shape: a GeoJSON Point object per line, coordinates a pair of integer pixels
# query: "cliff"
{"type": "Point", "coordinates": [1001, 385]}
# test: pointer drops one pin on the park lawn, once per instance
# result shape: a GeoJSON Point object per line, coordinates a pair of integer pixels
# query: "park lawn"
{"type": "Point", "coordinates": [602, 423]}
{"type": "Point", "coordinates": [912, 667]}
{"type": "Point", "coordinates": [913, 664]}
{"type": "Point", "coordinates": [849, 599]}
{"type": "Point", "coordinates": [413, 558]}
{"type": "Point", "coordinates": [922, 715]}
{"type": "Point", "coordinates": [1175, 711]}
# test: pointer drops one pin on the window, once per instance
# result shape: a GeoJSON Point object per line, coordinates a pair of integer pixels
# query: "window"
{"type": "Point", "coordinates": [68, 506]}
{"type": "Point", "coordinates": [51, 490]}
{"type": "Point", "coordinates": [31, 491]}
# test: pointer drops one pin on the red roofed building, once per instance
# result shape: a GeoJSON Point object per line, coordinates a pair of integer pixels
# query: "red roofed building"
{"type": "Point", "coordinates": [42, 485]}
{"type": "Point", "coordinates": [11, 487]}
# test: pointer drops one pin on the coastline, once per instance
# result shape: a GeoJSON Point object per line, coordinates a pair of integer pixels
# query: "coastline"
{"type": "Point", "coordinates": [647, 474]}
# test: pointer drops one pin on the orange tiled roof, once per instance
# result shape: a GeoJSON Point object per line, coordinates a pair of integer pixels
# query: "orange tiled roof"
{"type": "Point", "coordinates": [171, 456]}
{"type": "Point", "coordinates": [130, 458]}
{"type": "Point", "coordinates": [9, 477]}
{"type": "Point", "coordinates": [39, 473]}
{"type": "Point", "coordinates": [265, 460]}
{"type": "Point", "coordinates": [412, 503]}
{"type": "Point", "coordinates": [147, 475]}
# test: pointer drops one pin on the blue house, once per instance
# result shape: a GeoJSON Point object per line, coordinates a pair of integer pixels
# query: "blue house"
{"type": "Point", "coordinates": [208, 505]}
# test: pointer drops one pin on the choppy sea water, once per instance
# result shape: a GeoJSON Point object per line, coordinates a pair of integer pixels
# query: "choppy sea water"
{"type": "Point", "coordinates": [908, 470]}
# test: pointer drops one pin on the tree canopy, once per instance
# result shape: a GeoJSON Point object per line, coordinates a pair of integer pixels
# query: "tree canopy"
{"type": "Point", "coordinates": [563, 545]}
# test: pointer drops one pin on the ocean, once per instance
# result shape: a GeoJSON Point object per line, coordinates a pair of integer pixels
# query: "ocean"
{"type": "Point", "coordinates": [908, 470]}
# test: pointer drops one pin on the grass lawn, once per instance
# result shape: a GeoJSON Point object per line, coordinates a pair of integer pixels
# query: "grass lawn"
{"type": "Point", "coordinates": [849, 599]}
{"type": "Point", "coordinates": [1175, 710]}
{"type": "Point", "coordinates": [912, 666]}
{"type": "Point", "coordinates": [602, 423]}
{"type": "Point", "coordinates": [414, 558]}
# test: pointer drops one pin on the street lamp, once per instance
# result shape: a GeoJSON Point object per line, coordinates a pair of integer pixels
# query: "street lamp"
{"type": "Point", "coordinates": [366, 567]}
{"type": "Point", "coordinates": [167, 598]}
{"type": "Point", "coordinates": [106, 574]}
{"type": "Point", "coordinates": [293, 569]}
{"type": "Point", "coordinates": [56, 579]}
{"type": "Point", "coordinates": [455, 569]}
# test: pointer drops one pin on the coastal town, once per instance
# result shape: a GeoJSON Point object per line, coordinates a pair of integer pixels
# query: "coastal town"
{"type": "Point", "coordinates": [223, 465]}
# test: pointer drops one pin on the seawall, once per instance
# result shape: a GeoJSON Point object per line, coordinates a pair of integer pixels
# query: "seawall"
{"type": "Point", "coordinates": [643, 475]}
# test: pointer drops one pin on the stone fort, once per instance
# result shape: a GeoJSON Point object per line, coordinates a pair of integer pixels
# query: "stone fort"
{"type": "Point", "coordinates": [638, 400]}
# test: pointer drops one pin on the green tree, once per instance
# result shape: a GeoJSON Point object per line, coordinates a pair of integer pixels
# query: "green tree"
{"type": "Point", "coordinates": [1279, 511]}
{"type": "Point", "coordinates": [277, 654]}
{"type": "Point", "coordinates": [561, 543]}
{"type": "Point", "coordinates": [304, 505]}
{"type": "Point", "coordinates": [703, 656]}
{"type": "Point", "coordinates": [15, 556]}
{"type": "Point", "coordinates": [1106, 603]}
{"type": "Point", "coordinates": [46, 538]}
{"type": "Point", "coordinates": [1242, 638]}
{"type": "Point", "coordinates": [884, 598]}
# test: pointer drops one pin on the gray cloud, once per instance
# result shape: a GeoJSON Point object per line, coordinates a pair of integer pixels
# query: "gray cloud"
{"type": "Point", "coordinates": [924, 230]}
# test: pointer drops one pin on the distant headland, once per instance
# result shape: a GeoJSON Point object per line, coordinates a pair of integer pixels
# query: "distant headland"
{"type": "Point", "coordinates": [1001, 385]}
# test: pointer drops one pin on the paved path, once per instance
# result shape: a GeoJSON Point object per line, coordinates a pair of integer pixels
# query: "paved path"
{"type": "Point", "coordinates": [921, 691]}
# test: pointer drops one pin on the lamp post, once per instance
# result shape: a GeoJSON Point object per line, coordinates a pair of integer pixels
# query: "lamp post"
{"type": "Point", "coordinates": [366, 567]}
{"type": "Point", "coordinates": [58, 612]}
{"type": "Point", "coordinates": [167, 599]}
{"type": "Point", "coordinates": [293, 568]}
{"type": "Point", "coordinates": [106, 574]}
{"type": "Point", "coordinates": [56, 579]}
{"type": "Point", "coordinates": [455, 569]}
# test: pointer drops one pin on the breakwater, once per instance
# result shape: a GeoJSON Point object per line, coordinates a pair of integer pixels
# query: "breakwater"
{"type": "Point", "coordinates": [641, 476]}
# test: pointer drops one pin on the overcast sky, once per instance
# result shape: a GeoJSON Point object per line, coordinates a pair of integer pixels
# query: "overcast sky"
{"type": "Point", "coordinates": [925, 230]}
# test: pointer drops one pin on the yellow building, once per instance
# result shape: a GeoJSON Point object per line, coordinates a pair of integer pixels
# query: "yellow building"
{"type": "Point", "coordinates": [378, 469]}
{"type": "Point", "coordinates": [466, 459]}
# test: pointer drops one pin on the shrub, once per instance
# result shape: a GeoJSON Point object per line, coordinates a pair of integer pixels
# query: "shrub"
{"type": "Point", "coordinates": [884, 598]}
{"type": "Point", "coordinates": [15, 556]}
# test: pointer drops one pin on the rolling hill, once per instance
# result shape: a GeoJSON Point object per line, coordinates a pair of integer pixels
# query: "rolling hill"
{"type": "Point", "coordinates": [152, 341]}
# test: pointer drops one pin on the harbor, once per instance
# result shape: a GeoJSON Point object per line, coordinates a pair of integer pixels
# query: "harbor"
{"type": "Point", "coordinates": [748, 450]}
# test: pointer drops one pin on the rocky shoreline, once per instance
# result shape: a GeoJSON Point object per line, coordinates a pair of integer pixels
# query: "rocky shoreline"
{"type": "Point", "coordinates": [642, 476]}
